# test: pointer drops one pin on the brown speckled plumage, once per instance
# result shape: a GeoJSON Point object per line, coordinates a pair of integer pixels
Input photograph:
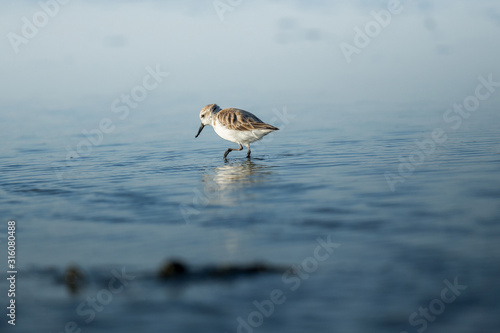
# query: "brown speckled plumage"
{"type": "Point", "coordinates": [235, 125]}
{"type": "Point", "coordinates": [241, 120]}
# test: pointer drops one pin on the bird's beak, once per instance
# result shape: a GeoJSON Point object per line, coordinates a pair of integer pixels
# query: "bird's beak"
{"type": "Point", "coordinates": [199, 131]}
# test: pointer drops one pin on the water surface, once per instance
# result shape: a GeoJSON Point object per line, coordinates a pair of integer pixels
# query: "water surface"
{"type": "Point", "coordinates": [151, 192]}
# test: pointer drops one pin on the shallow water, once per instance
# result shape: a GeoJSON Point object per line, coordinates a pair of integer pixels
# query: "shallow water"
{"type": "Point", "coordinates": [150, 192]}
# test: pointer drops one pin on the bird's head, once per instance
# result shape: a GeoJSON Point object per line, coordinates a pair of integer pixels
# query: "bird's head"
{"type": "Point", "coordinates": [206, 116]}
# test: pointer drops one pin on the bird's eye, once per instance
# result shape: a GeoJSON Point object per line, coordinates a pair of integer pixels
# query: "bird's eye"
{"type": "Point", "coordinates": [203, 116]}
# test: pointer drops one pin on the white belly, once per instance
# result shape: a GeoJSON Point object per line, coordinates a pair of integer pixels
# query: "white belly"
{"type": "Point", "coordinates": [243, 137]}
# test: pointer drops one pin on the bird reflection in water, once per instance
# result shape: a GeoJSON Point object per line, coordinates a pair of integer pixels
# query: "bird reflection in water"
{"type": "Point", "coordinates": [228, 183]}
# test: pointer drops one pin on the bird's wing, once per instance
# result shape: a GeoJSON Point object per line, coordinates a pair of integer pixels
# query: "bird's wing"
{"type": "Point", "coordinates": [241, 120]}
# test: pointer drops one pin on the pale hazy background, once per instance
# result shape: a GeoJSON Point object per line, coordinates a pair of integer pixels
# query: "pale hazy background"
{"type": "Point", "coordinates": [263, 53]}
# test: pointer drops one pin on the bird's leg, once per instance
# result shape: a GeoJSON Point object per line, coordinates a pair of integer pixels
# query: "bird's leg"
{"type": "Point", "coordinates": [231, 149]}
{"type": "Point", "coordinates": [249, 151]}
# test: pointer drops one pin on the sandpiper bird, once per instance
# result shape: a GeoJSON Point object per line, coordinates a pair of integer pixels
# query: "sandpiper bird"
{"type": "Point", "coordinates": [234, 125]}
